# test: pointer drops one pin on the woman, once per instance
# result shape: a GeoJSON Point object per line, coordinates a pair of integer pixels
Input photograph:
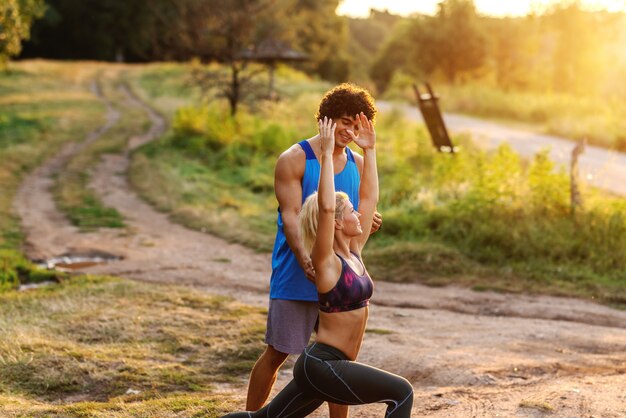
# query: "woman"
{"type": "Point", "coordinates": [332, 232]}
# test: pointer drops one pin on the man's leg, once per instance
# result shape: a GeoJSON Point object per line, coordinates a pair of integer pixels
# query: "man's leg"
{"type": "Point", "coordinates": [263, 377]}
{"type": "Point", "coordinates": [289, 327]}
{"type": "Point", "coordinates": [337, 411]}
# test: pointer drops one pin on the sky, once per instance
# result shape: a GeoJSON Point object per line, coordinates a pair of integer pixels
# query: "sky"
{"type": "Point", "coordinates": [360, 8]}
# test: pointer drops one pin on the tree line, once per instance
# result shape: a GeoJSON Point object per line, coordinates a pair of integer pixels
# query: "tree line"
{"type": "Point", "coordinates": [165, 30]}
{"type": "Point", "coordinates": [563, 49]}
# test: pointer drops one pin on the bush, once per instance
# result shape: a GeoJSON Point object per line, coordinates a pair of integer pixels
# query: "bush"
{"type": "Point", "coordinates": [8, 279]}
{"type": "Point", "coordinates": [498, 209]}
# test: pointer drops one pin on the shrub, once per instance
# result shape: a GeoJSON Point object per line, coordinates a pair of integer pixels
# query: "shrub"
{"type": "Point", "coordinates": [16, 270]}
{"type": "Point", "coordinates": [8, 279]}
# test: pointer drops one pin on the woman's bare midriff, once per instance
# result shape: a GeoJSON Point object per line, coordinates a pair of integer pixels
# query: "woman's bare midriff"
{"type": "Point", "coordinates": [343, 330]}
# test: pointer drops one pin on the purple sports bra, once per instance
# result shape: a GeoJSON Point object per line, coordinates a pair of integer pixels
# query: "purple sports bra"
{"type": "Point", "coordinates": [351, 291]}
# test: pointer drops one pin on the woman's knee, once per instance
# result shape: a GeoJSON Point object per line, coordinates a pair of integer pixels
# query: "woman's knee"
{"type": "Point", "coordinates": [404, 389]}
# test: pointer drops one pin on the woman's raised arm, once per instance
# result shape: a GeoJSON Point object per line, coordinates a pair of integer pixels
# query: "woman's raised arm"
{"type": "Point", "coordinates": [323, 246]}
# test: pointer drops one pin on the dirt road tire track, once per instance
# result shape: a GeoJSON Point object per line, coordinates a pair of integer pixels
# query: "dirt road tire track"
{"type": "Point", "coordinates": [466, 353]}
{"type": "Point", "coordinates": [45, 228]}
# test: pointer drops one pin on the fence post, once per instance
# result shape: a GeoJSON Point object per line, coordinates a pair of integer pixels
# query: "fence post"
{"type": "Point", "coordinates": [576, 199]}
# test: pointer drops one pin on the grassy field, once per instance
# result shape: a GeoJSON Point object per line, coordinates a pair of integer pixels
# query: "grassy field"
{"type": "Point", "coordinates": [489, 221]}
{"type": "Point", "coordinates": [602, 122]}
{"type": "Point", "coordinates": [107, 347]}
{"type": "Point", "coordinates": [81, 205]}
{"type": "Point", "coordinates": [230, 195]}
{"type": "Point", "coordinates": [99, 346]}
{"type": "Point", "coordinates": [43, 105]}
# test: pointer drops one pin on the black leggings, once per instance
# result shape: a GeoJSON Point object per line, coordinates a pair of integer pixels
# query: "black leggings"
{"type": "Point", "coordinates": [323, 373]}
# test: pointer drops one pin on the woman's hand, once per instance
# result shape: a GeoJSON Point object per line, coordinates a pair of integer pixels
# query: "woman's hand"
{"type": "Point", "coordinates": [327, 135]}
{"type": "Point", "coordinates": [367, 134]}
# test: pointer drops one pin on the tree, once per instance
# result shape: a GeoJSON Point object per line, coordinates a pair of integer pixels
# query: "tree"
{"type": "Point", "coordinates": [138, 30]}
{"type": "Point", "coordinates": [451, 42]}
{"type": "Point", "coordinates": [367, 37]}
{"type": "Point", "coordinates": [320, 33]}
{"type": "Point", "coordinates": [581, 59]}
{"type": "Point", "coordinates": [232, 29]}
{"type": "Point", "coordinates": [16, 19]}
{"type": "Point", "coordinates": [461, 44]}
{"type": "Point", "coordinates": [393, 55]}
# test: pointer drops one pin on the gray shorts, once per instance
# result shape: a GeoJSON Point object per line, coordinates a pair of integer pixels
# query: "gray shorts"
{"type": "Point", "coordinates": [290, 324]}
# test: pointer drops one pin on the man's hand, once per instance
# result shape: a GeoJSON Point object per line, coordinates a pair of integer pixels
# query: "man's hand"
{"type": "Point", "coordinates": [377, 222]}
{"type": "Point", "coordinates": [367, 134]}
{"type": "Point", "coordinates": [307, 265]}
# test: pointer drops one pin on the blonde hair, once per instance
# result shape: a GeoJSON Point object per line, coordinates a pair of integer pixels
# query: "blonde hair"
{"type": "Point", "coordinates": [310, 213]}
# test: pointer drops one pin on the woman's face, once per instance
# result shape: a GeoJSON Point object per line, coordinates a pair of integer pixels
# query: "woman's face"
{"type": "Point", "coordinates": [351, 223]}
{"type": "Point", "coordinates": [344, 124]}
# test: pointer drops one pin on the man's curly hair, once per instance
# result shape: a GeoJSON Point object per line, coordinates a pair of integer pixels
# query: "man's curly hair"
{"type": "Point", "coordinates": [346, 99]}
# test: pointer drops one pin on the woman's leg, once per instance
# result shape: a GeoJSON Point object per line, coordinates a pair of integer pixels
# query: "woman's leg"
{"type": "Point", "coordinates": [291, 402]}
{"type": "Point", "coordinates": [366, 384]}
{"type": "Point", "coordinates": [326, 374]}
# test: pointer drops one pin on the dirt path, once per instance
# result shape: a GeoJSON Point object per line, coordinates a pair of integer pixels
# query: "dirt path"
{"type": "Point", "coordinates": [48, 233]}
{"type": "Point", "coordinates": [467, 354]}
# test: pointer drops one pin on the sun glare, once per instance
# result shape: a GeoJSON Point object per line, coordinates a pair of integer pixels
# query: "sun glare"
{"type": "Point", "coordinates": [361, 8]}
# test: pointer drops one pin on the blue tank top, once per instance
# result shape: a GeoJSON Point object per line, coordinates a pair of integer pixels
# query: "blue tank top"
{"type": "Point", "coordinates": [288, 280]}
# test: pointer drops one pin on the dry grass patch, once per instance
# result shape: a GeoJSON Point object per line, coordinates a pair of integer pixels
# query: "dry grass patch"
{"type": "Point", "coordinates": [96, 346]}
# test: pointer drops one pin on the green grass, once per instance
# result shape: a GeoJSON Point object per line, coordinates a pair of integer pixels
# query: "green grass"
{"type": "Point", "coordinates": [72, 193]}
{"type": "Point", "coordinates": [168, 87]}
{"type": "Point", "coordinates": [75, 349]}
{"type": "Point", "coordinates": [205, 199]}
{"type": "Point", "coordinates": [602, 122]}
{"type": "Point", "coordinates": [484, 220]}
{"type": "Point", "coordinates": [43, 105]}
{"type": "Point", "coordinates": [98, 346]}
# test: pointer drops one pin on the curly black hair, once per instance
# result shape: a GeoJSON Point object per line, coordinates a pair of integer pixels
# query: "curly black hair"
{"type": "Point", "coordinates": [346, 99]}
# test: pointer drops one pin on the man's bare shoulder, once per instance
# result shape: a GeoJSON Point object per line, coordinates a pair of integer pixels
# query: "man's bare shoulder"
{"type": "Point", "coordinates": [358, 159]}
{"type": "Point", "coordinates": [291, 162]}
{"type": "Point", "coordinates": [292, 154]}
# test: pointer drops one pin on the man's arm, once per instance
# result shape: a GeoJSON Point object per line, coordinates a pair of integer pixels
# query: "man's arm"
{"type": "Point", "coordinates": [368, 190]}
{"type": "Point", "coordinates": [377, 222]}
{"type": "Point", "coordinates": [288, 188]}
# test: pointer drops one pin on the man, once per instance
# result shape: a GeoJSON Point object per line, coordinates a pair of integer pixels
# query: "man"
{"type": "Point", "coordinates": [293, 308]}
